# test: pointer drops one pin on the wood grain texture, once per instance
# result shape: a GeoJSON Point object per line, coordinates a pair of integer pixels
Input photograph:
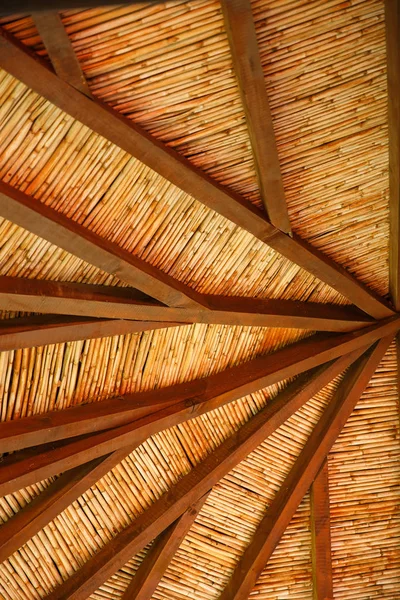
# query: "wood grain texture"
{"type": "Point", "coordinates": [125, 303]}
{"type": "Point", "coordinates": [60, 50]}
{"type": "Point", "coordinates": [392, 21]}
{"type": "Point", "coordinates": [302, 474]}
{"type": "Point", "coordinates": [242, 37]}
{"type": "Point", "coordinates": [321, 536]}
{"type": "Point", "coordinates": [22, 64]}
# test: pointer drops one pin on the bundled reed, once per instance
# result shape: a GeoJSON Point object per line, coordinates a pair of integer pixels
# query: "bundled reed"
{"type": "Point", "coordinates": [364, 469]}
{"type": "Point", "coordinates": [325, 71]}
{"type": "Point", "coordinates": [65, 165]}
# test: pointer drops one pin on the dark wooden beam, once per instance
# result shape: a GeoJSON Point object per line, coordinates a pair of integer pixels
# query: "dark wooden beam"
{"type": "Point", "coordinates": [242, 37]}
{"type": "Point", "coordinates": [18, 7]}
{"type": "Point", "coordinates": [321, 536]}
{"type": "Point", "coordinates": [302, 474]}
{"type": "Point", "coordinates": [60, 50]}
{"type": "Point", "coordinates": [193, 486]}
{"type": "Point", "coordinates": [54, 227]}
{"type": "Point", "coordinates": [124, 303]}
{"type": "Point", "coordinates": [153, 567]}
{"type": "Point", "coordinates": [27, 332]}
{"type": "Point", "coordinates": [111, 424]}
{"type": "Point", "coordinates": [22, 64]}
{"type": "Point", "coordinates": [392, 17]}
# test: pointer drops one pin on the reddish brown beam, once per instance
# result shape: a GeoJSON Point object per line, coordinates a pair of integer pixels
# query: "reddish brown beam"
{"type": "Point", "coordinates": [18, 7]}
{"type": "Point", "coordinates": [302, 474]}
{"type": "Point", "coordinates": [246, 60]}
{"type": "Point", "coordinates": [60, 50]}
{"type": "Point", "coordinates": [124, 303]}
{"type": "Point", "coordinates": [170, 406]}
{"type": "Point", "coordinates": [156, 562]}
{"type": "Point", "coordinates": [193, 486]}
{"type": "Point", "coordinates": [54, 227]}
{"type": "Point", "coordinates": [19, 61]}
{"type": "Point", "coordinates": [27, 332]}
{"type": "Point", "coordinates": [392, 17]}
{"type": "Point", "coordinates": [321, 536]}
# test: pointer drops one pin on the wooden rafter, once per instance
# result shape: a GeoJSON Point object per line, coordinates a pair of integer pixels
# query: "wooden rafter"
{"type": "Point", "coordinates": [80, 241]}
{"type": "Point", "coordinates": [321, 536]}
{"type": "Point", "coordinates": [19, 61]}
{"type": "Point", "coordinates": [160, 555]}
{"type": "Point", "coordinates": [16, 531]}
{"type": "Point", "coordinates": [60, 50]}
{"type": "Point", "coordinates": [302, 474]}
{"type": "Point", "coordinates": [27, 332]}
{"type": "Point", "coordinates": [124, 303]}
{"type": "Point", "coordinates": [392, 17]}
{"type": "Point", "coordinates": [247, 64]}
{"type": "Point", "coordinates": [128, 416]}
{"type": "Point", "coordinates": [193, 486]}
{"type": "Point", "coordinates": [31, 6]}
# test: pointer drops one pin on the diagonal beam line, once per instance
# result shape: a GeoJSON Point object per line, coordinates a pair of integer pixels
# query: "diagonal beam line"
{"type": "Point", "coordinates": [22, 64]}
{"type": "Point", "coordinates": [125, 303]}
{"type": "Point", "coordinates": [41, 330]}
{"type": "Point", "coordinates": [242, 37]}
{"type": "Point", "coordinates": [65, 233]}
{"type": "Point", "coordinates": [25, 467]}
{"type": "Point", "coordinates": [198, 482]}
{"type": "Point", "coordinates": [302, 474]}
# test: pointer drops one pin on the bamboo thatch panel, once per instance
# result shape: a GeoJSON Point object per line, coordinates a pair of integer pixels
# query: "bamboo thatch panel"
{"type": "Point", "coordinates": [35, 380]}
{"type": "Point", "coordinates": [24, 29]}
{"type": "Point", "coordinates": [288, 573]}
{"type": "Point", "coordinates": [169, 68]}
{"type": "Point", "coordinates": [47, 154]}
{"type": "Point", "coordinates": [325, 71]}
{"type": "Point", "coordinates": [227, 521]}
{"type": "Point", "coordinates": [364, 471]}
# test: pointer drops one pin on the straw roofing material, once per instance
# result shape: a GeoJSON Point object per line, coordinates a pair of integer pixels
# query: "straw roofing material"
{"type": "Point", "coordinates": [325, 72]}
{"type": "Point", "coordinates": [47, 154]}
{"type": "Point", "coordinates": [228, 519]}
{"type": "Point", "coordinates": [364, 471]}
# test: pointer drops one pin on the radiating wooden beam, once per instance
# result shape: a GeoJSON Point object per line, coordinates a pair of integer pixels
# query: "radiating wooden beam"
{"type": "Point", "coordinates": [124, 303]}
{"type": "Point", "coordinates": [19, 61]}
{"type": "Point", "coordinates": [194, 485]}
{"type": "Point", "coordinates": [302, 474]}
{"type": "Point", "coordinates": [114, 422]}
{"type": "Point", "coordinates": [65, 233]}
{"type": "Point", "coordinates": [392, 18]}
{"type": "Point", "coordinates": [156, 562]}
{"type": "Point", "coordinates": [60, 50]}
{"type": "Point", "coordinates": [27, 332]}
{"type": "Point", "coordinates": [321, 536]}
{"type": "Point", "coordinates": [246, 60]}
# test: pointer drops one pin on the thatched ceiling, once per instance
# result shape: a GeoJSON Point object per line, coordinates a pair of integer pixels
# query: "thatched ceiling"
{"type": "Point", "coordinates": [199, 288]}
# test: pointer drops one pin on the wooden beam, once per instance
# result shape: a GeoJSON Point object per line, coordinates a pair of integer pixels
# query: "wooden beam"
{"type": "Point", "coordinates": [392, 18]}
{"type": "Point", "coordinates": [194, 485]}
{"type": "Point", "coordinates": [321, 536]}
{"type": "Point", "coordinates": [60, 50]}
{"type": "Point", "coordinates": [242, 37]}
{"type": "Point", "coordinates": [302, 474]}
{"type": "Point", "coordinates": [28, 68]}
{"type": "Point", "coordinates": [65, 233]}
{"type": "Point", "coordinates": [128, 416]}
{"type": "Point", "coordinates": [27, 332]}
{"type": "Point", "coordinates": [156, 562]}
{"type": "Point", "coordinates": [124, 303]}
{"type": "Point", "coordinates": [19, 7]}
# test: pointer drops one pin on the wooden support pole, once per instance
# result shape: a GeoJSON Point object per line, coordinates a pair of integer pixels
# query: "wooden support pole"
{"type": "Point", "coordinates": [321, 536]}
{"type": "Point", "coordinates": [246, 60]}
{"type": "Point", "coordinates": [19, 61]}
{"type": "Point", "coordinates": [194, 485]}
{"type": "Point", "coordinates": [125, 303]}
{"type": "Point", "coordinates": [302, 474]}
